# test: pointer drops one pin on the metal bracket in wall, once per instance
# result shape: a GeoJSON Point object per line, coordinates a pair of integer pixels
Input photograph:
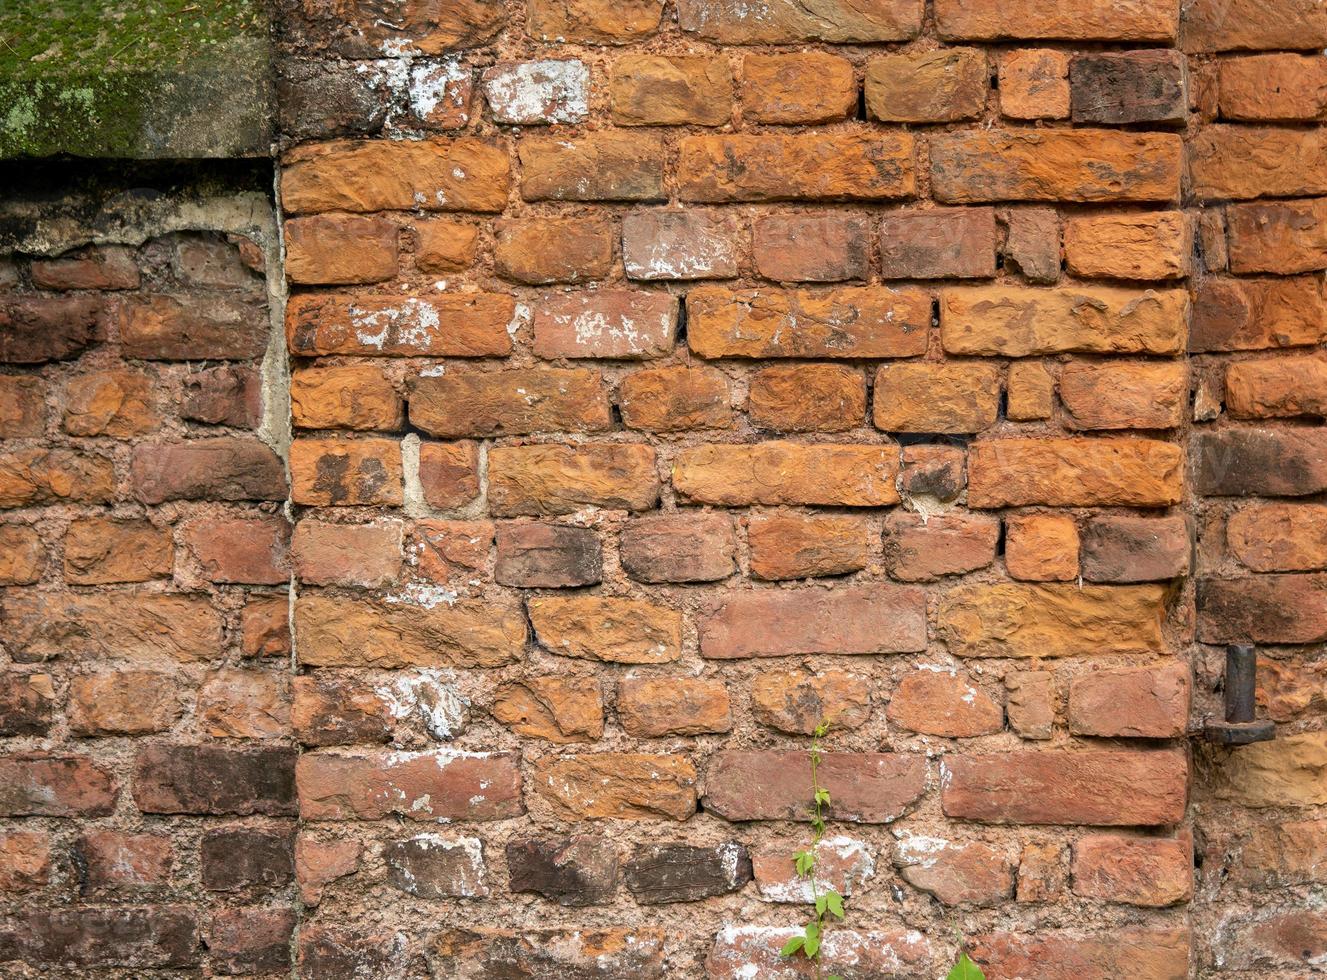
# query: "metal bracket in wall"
{"type": "Point", "coordinates": [1240, 727]}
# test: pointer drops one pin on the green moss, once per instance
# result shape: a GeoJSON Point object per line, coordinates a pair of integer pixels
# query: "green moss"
{"type": "Point", "coordinates": [42, 38]}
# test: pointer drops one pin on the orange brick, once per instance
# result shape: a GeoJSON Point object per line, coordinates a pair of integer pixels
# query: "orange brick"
{"type": "Point", "coordinates": [1273, 87]}
{"type": "Point", "coordinates": [110, 403]}
{"type": "Point", "coordinates": [546, 250]}
{"type": "Point", "coordinates": [676, 398]}
{"type": "Point", "coordinates": [100, 551]}
{"type": "Point", "coordinates": [807, 398]}
{"type": "Point", "coordinates": [552, 479]}
{"type": "Point", "coordinates": [351, 396]}
{"type": "Point", "coordinates": [679, 90]}
{"type": "Point", "coordinates": [949, 397]}
{"type": "Point", "coordinates": [787, 473]}
{"type": "Point", "coordinates": [345, 472]}
{"type": "Point", "coordinates": [445, 246]}
{"type": "Point", "coordinates": [812, 248]}
{"type": "Point", "coordinates": [797, 88]}
{"type": "Point", "coordinates": [603, 166]}
{"type": "Point", "coordinates": [1129, 246]}
{"type": "Point", "coordinates": [513, 402]}
{"type": "Point", "coordinates": [1034, 84]}
{"type": "Point", "coordinates": [1279, 237]}
{"type": "Point", "coordinates": [1125, 394]}
{"type": "Point", "coordinates": [1031, 392]}
{"type": "Point", "coordinates": [789, 546]}
{"type": "Point", "coordinates": [946, 85]}
{"type": "Point", "coordinates": [449, 473]}
{"type": "Point", "coordinates": [1041, 548]}
{"type": "Point", "coordinates": [340, 249]}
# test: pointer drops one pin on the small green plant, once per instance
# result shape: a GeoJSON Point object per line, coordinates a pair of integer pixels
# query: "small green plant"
{"type": "Point", "coordinates": [965, 969]}
{"type": "Point", "coordinates": [828, 902]}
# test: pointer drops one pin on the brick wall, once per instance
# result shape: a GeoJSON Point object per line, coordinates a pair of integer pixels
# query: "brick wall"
{"type": "Point", "coordinates": [450, 588]}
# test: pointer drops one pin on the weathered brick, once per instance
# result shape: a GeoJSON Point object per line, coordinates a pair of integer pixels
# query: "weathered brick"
{"type": "Point", "coordinates": [842, 863]}
{"type": "Point", "coordinates": [227, 395]}
{"type": "Point", "coordinates": [387, 326]}
{"type": "Point", "coordinates": [1286, 772]}
{"type": "Point", "coordinates": [778, 623]}
{"type": "Point", "coordinates": [1030, 708]}
{"type": "Point", "coordinates": [602, 166]}
{"type": "Point", "coordinates": [25, 861]}
{"type": "Point", "coordinates": [1279, 537]}
{"type": "Point", "coordinates": [22, 555]}
{"type": "Point", "coordinates": [34, 329]}
{"type": "Point", "coordinates": [1030, 392]}
{"type": "Point", "coordinates": [866, 787]}
{"type": "Point", "coordinates": [1153, 245]}
{"type": "Point", "coordinates": [40, 476]}
{"type": "Point", "coordinates": [442, 549]}
{"type": "Point", "coordinates": [350, 632]}
{"type": "Point", "coordinates": [936, 701]}
{"type": "Point", "coordinates": [99, 551]}
{"type": "Point", "coordinates": [1262, 609]}
{"type": "Point", "coordinates": [445, 245]}
{"type": "Point", "coordinates": [1041, 548]}
{"type": "Point", "coordinates": [250, 940]}
{"type": "Point", "coordinates": [1116, 88]}
{"type": "Point", "coordinates": [946, 85]}
{"type": "Point", "coordinates": [682, 547]}
{"type": "Point", "coordinates": [622, 324]}
{"type": "Point", "coordinates": [1077, 20]}
{"type": "Point", "coordinates": [811, 248]}
{"type": "Point", "coordinates": [918, 549]}
{"type": "Point", "coordinates": [431, 866]}
{"type": "Point", "coordinates": [807, 398]}
{"type": "Point", "coordinates": [785, 21]}
{"type": "Point", "coordinates": [662, 90]}
{"type": "Point", "coordinates": [345, 472]}
{"type": "Point", "coordinates": [1279, 237]}
{"type": "Point", "coordinates": [511, 402]}
{"type": "Point", "coordinates": [787, 473]}
{"type": "Point", "coordinates": [1257, 314]}
{"type": "Point", "coordinates": [1135, 549]}
{"type": "Point", "coordinates": [432, 786]}
{"type": "Point", "coordinates": [223, 468]}
{"type": "Point", "coordinates": [933, 471]}
{"type": "Point", "coordinates": [246, 550]}
{"type": "Point", "coordinates": [27, 703]}
{"type": "Point", "coordinates": [244, 704]}
{"type": "Point", "coordinates": [1034, 84]}
{"type": "Point", "coordinates": [1272, 87]}
{"type": "Point", "coordinates": [319, 863]}
{"type": "Point", "coordinates": [1232, 25]}
{"type": "Point", "coordinates": [595, 954]}
{"type": "Point", "coordinates": [1294, 941]}
{"type": "Point", "coordinates": [110, 403]}
{"type": "Point", "coordinates": [1032, 244]}
{"type": "Point", "coordinates": [449, 473]}
{"type": "Point", "coordinates": [1288, 688]}
{"type": "Point", "coordinates": [842, 322]}
{"type": "Point", "coordinates": [192, 327]}
{"type": "Point", "coordinates": [95, 267]}
{"type": "Point", "coordinates": [126, 702]}
{"type": "Point", "coordinates": [790, 545]}
{"type": "Point", "coordinates": [655, 707]}
{"type": "Point", "coordinates": [242, 858]}
{"type": "Point", "coordinates": [741, 951]}
{"type": "Point", "coordinates": [667, 245]}
{"type": "Point", "coordinates": [465, 174]}
{"type": "Point", "coordinates": [351, 396]}
{"type": "Point", "coordinates": [1012, 620]}
{"type": "Point", "coordinates": [849, 165]}
{"type": "Point", "coordinates": [40, 784]}
{"type": "Point", "coordinates": [591, 627]}
{"type": "Point", "coordinates": [664, 873]}
{"type": "Point", "coordinates": [1157, 953]}
{"type": "Point", "coordinates": [365, 556]}
{"type": "Point", "coordinates": [148, 938]}
{"type": "Point", "coordinates": [971, 873]}
{"type": "Point", "coordinates": [617, 786]}
{"type": "Point", "coordinates": [265, 626]}
{"type": "Point", "coordinates": [675, 398]}
{"type": "Point", "coordinates": [560, 709]}
{"type": "Point", "coordinates": [110, 625]}
{"type": "Point", "coordinates": [1243, 162]}
{"type": "Point", "coordinates": [1074, 472]}
{"type": "Point", "coordinates": [1143, 703]}
{"type": "Point", "coordinates": [943, 243]}
{"type": "Point", "coordinates": [338, 953]}
{"type": "Point", "coordinates": [594, 21]}
{"type": "Point", "coordinates": [797, 88]}
{"type": "Point", "coordinates": [1260, 462]}
{"type": "Point", "coordinates": [202, 779]}
{"type": "Point", "coordinates": [1020, 321]}
{"type": "Point", "coordinates": [1080, 165]}
{"type": "Point", "coordinates": [339, 249]}
{"type": "Point", "coordinates": [333, 710]}
{"type": "Point", "coordinates": [537, 93]}
{"type": "Point", "coordinates": [114, 861]}
{"type": "Point", "coordinates": [945, 398]}
{"type": "Point", "coordinates": [551, 479]}
{"type": "Point", "coordinates": [796, 701]}
{"type": "Point", "coordinates": [548, 556]}
{"type": "Point", "coordinates": [1106, 787]}
{"type": "Point", "coordinates": [22, 406]}
{"type": "Point", "coordinates": [547, 250]}
{"type": "Point", "coordinates": [1283, 853]}
{"type": "Point", "coordinates": [1125, 394]}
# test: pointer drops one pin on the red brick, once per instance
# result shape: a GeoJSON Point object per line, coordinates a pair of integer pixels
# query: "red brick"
{"type": "Point", "coordinates": [1034, 84]}
{"type": "Point", "coordinates": [785, 21]}
{"type": "Point", "coordinates": [244, 704]}
{"type": "Point", "coordinates": [655, 707]}
{"type": "Point", "coordinates": [1134, 703]}
{"type": "Point", "coordinates": [602, 166]}
{"type": "Point", "coordinates": [866, 787]}
{"type": "Point", "coordinates": [28, 703]}
{"type": "Point", "coordinates": [432, 867]}
{"type": "Point", "coordinates": [1243, 162]}
{"type": "Point", "coordinates": [1076, 20]}
{"type": "Point", "coordinates": [265, 626]}
{"type": "Point", "coordinates": [413, 785]}
{"type": "Point", "coordinates": [1079, 165]}
{"type": "Point", "coordinates": [34, 329]}
{"type": "Point", "coordinates": [946, 85]}
{"type": "Point", "coordinates": [203, 779]}
{"type": "Point", "coordinates": [618, 785]}
{"type": "Point", "coordinates": [848, 165]}
{"type": "Point", "coordinates": [250, 940]}
{"type": "Point", "coordinates": [922, 549]}
{"type": "Point", "coordinates": [659, 874]}
{"type": "Point", "coordinates": [690, 244]}
{"type": "Point", "coordinates": [594, 20]}
{"type": "Point", "coordinates": [1279, 237]}
{"type": "Point", "coordinates": [1273, 87]}
{"type": "Point", "coordinates": [787, 473]}
{"type": "Point", "coordinates": [1125, 394]}
{"type": "Point", "coordinates": [778, 623]}
{"type": "Point", "coordinates": [336, 952]}
{"type": "Point", "coordinates": [1148, 954]}
{"type": "Point", "coordinates": [1145, 871]}
{"type": "Point", "coordinates": [335, 249]}
{"type": "Point", "coordinates": [362, 555]}
{"type": "Point", "coordinates": [511, 402]}
{"type": "Point", "coordinates": [319, 863]}
{"type": "Point", "coordinates": [442, 549]}
{"type": "Point", "coordinates": [551, 479]}
{"type": "Point", "coordinates": [25, 861]}
{"type": "Point", "coordinates": [972, 873]}
{"type": "Point", "coordinates": [31, 477]}
{"type": "Point", "coordinates": [1032, 244]}
{"type": "Point", "coordinates": [345, 472]}
{"type": "Point", "coordinates": [45, 785]}
{"type": "Point", "coordinates": [351, 396]}
{"type": "Point", "coordinates": [110, 403]}
{"type": "Point", "coordinates": [537, 93]}
{"type": "Point", "coordinates": [449, 473]}
{"type": "Point", "coordinates": [1125, 87]}
{"type": "Point", "coordinates": [946, 397]}
{"type": "Point", "coordinates": [100, 551]}
{"type": "Point", "coordinates": [742, 951]}
{"type": "Point", "coordinates": [944, 243]}
{"type": "Point", "coordinates": [1257, 314]}
{"type": "Point", "coordinates": [95, 267]}
{"type": "Point", "coordinates": [239, 858]}
{"type": "Point", "coordinates": [796, 701]}
{"type": "Point", "coordinates": [1108, 787]}
{"type": "Point", "coordinates": [547, 556]}
{"type": "Point", "coordinates": [933, 471]}
{"type": "Point", "coordinates": [22, 406]}
{"type": "Point", "coordinates": [412, 326]}
{"type": "Point", "coordinates": [546, 250]}
{"type": "Point", "coordinates": [807, 398]}
{"type": "Point", "coordinates": [681, 547]}
{"type": "Point", "coordinates": [609, 952]}
{"type": "Point", "coordinates": [1153, 245]}
{"type": "Point", "coordinates": [244, 550]}
{"type": "Point", "coordinates": [464, 174]}
{"type": "Point", "coordinates": [227, 395]}
{"type": "Point", "coordinates": [115, 861]}
{"type": "Point", "coordinates": [156, 936]}
{"type": "Point", "coordinates": [1262, 609]}
{"type": "Point", "coordinates": [1030, 708]}
{"type": "Point", "coordinates": [42, 625]}
{"type": "Point", "coordinates": [22, 555]}
{"type": "Point", "coordinates": [659, 90]}
{"type": "Point", "coordinates": [1294, 940]}
{"type": "Point", "coordinates": [811, 248]}
{"type": "Point", "coordinates": [1135, 549]}
{"type": "Point", "coordinates": [675, 398]}
{"type": "Point", "coordinates": [192, 327]}
{"type": "Point", "coordinates": [615, 324]}
{"type": "Point", "coordinates": [797, 87]}
{"type": "Point", "coordinates": [937, 701]}
{"type": "Point", "coordinates": [207, 469]}
{"type": "Point", "coordinates": [790, 546]}
{"type": "Point", "coordinates": [336, 710]}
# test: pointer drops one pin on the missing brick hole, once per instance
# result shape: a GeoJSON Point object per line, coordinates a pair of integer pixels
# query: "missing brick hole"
{"type": "Point", "coordinates": [682, 321]}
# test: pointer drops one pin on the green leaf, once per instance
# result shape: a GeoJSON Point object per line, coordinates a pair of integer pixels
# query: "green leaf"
{"type": "Point", "coordinates": [812, 946]}
{"type": "Point", "coordinates": [834, 902]}
{"type": "Point", "coordinates": [822, 797]}
{"type": "Point", "coordinates": [965, 969]}
{"type": "Point", "coordinates": [805, 861]}
{"type": "Point", "coordinates": [821, 902]}
{"type": "Point", "coordinates": [822, 729]}
{"type": "Point", "coordinates": [834, 976]}
{"type": "Point", "coordinates": [792, 946]}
